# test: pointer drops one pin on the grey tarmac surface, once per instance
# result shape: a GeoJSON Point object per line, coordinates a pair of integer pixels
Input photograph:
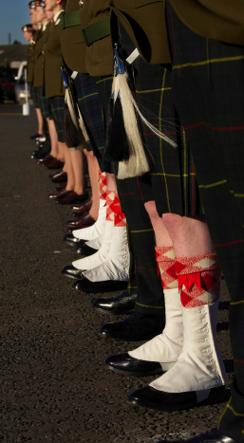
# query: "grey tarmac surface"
{"type": "Point", "coordinates": [54, 384]}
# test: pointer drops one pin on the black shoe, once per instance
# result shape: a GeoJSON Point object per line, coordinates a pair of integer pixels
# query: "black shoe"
{"type": "Point", "coordinates": [85, 250]}
{"type": "Point", "coordinates": [42, 151]}
{"type": "Point", "coordinates": [39, 153]}
{"type": "Point", "coordinates": [137, 327]}
{"type": "Point", "coordinates": [35, 136]}
{"type": "Point", "coordinates": [120, 304]}
{"type": "Point", "coordinates": [71, 272]}
{"type": "Point", "coordinates": [71, 240]}
{"type": "Point", "coordinates": [214, 436]}
{"type": "Point", "coordinates": [125, 364]}
{"type": "Point", "coordinates": [90, 287]}
{"type": "Point", "coordinates": [59, 177]}
{"type": "Point", "coordinates": [169, 402]}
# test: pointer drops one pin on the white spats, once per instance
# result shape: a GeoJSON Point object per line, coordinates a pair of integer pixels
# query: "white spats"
{"type": "Point", "coordinates": [112, 261]}
{"type": "Point", "coordinates": [199, 366]}
{"type": "Point", "coordinates": [165, 348]}
{"type": "Point", "coordinates": [95, 231]}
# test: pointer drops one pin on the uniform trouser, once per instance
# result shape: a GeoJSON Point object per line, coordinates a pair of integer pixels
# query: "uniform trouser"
{"type": "Point", "coordinates": [209, 97]}
{"type": "Point", "coordinates": [143, 276]}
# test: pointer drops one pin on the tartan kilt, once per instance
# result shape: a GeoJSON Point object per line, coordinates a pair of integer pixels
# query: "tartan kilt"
{"type": "Point", "coordinates": [36, 96]}
{"type": "Point", "coordinates": [208, 90]}
{"type": "Point", "coordinates": [104, 85]}
{"type": "Point", "coordinates": [89, 102]}
{"type": "Point", "coordinates": [57, 107]}
{"type": "Point", "coordinates": [171, 181]}
{"type": "Point", "coordinates": [45, 107]}
{"type": "Point", "coordinates": [172, 172]}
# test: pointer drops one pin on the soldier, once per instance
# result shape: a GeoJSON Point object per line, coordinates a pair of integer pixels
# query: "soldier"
{"type": "Point", "coordinates": [206, 42]}
{"type": "Point", "coordinates": [28, 34]}
{"type": "Point", "coordinates": [34, 21]}
{"type": "Point", "coordinates": [86, 97]}
{"type": "Point", "coordinates": [202, 62]}
{"type": "Point", "coordinates": [148, 317]}
{"type": "Point", "coordinates": [73, 192]}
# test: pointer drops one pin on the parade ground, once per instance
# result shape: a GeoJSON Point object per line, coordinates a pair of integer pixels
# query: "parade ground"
{"type": "Point", "coordinates": [55, 386]}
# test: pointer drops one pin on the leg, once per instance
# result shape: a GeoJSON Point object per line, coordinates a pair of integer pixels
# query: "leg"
{"type": "Point", "coordinates": [93, 169]}
{"type": "Point", "coordinates": [40, 123]}
{"type": "Point", "coordinates": [53, 138]}
{"type": "Point", "coordinates": [68, 167]}
{"type": "Point", "coordinates": [76, 157]}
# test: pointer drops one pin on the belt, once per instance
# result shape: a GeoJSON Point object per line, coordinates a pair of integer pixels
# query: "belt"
{"type": "Point", "coordinates": [71, 19]}
{"type": "Point", "coordinates": [97, 31]}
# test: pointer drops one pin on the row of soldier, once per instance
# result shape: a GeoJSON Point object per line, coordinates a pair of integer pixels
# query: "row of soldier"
{"type": "Point", "coordinates": [136, 93]}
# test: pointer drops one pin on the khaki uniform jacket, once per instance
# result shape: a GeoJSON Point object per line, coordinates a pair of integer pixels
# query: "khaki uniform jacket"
{"type": "Point", "coordinates": [99, 55]}
{"type": "Point", "coordinates": [39, 57]}
{"type": "Point", "coordinates": [72, 42]}
{"type": "Point", "coordinates": [30, 62]}
{"type": "Point", "coordinates": [53, 60]}
{"type": "Point", "coordinates": [221, 20]}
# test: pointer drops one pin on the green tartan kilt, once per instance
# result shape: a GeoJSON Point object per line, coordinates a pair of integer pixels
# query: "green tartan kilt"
{"type": "Point", "coordinates": [171, 181]}
{"type": "Point", "coordinates": [57, 111]}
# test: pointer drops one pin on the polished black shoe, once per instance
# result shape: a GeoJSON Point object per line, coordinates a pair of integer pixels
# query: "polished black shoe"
{"type": "Point", "coordinates": [56, 195]}
{"type": "Point", "coordinates": [214, 436]}
{"type": "Point", "coordinates": [71, 272]}
{"type": "Point", "coordinates": [59, 177]}
{"type": "Point", "coordinates": [71, 240]}
{"type": "Point", "coordinates": [120, 304]}
{"type": "Point", "coordinates": [71, 197]}
{"type": "Point", "coordinates": [85, 222]}
{"type": "Point", "coordinates": [85, 250]}
{"type": "Point", "coordinates": [90, 287]}
{"type": "Point", "coordinates": [39, 153]}
{"type": "Point", "coordinates": [149, 397]}
{"type": "Point", "coordinates": [125, 364]}
{"type": "Point", "coordinates": [137, 327]}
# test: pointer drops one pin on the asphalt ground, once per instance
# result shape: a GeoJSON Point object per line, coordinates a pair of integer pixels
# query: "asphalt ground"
{"type": "Point", "coordinates": [54, 384]}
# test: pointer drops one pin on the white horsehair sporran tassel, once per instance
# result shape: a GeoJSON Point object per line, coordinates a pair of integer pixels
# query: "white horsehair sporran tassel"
{"type": "Point", "coordinates": [70, 105]}
{"type": "Point", "coordinates": [137, 164]}
{"type": "Point", "coordinates": [82, 125]}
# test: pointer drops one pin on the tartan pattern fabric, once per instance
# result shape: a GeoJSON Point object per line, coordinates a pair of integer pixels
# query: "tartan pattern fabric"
{"type": "Point", "coordinates": [36, 96]}
{"type": "Point", "coordinates": [198, 280]}
{"type": "Point", "coordinates": [208, 92]}
{"type": "Point", "coordinates": [172, 176]}
{"type": "Point", "coordinates": [114, 211]}
{"type": "Point", "coordinates": [90, 105]}
{"type": "Point", "coordinates": [45, 107]}
{"type": "Point", "coordinates": [57, 110]}
{"type": "Point", "coordinates": [103, 185]}
{"type": "Point", "coordinates": [104, 85]}
{"type": "Point", "coordinates": [165, 258]}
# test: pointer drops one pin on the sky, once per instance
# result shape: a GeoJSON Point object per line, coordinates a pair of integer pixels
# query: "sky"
{"type": "Point", "coordinates": [13, 14]}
